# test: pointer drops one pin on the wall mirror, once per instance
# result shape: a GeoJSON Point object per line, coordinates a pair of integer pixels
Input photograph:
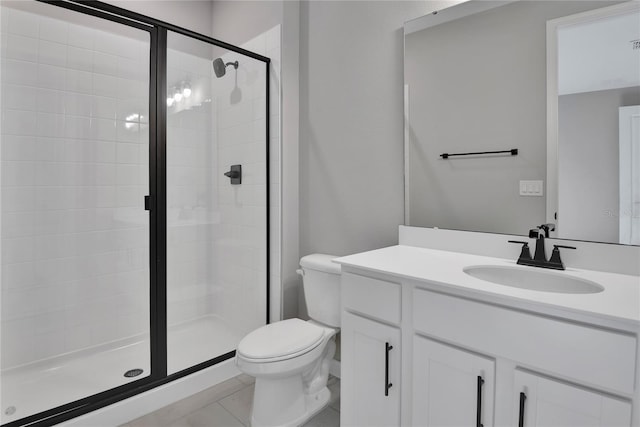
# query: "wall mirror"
{"type": "Point", "coordinates": [557, 81]}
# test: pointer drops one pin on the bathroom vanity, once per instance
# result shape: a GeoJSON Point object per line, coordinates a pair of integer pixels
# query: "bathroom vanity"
{"type": "Point", "coordinates": [426, 344]}
{"type": "Point", "coordinates": [445, 329]}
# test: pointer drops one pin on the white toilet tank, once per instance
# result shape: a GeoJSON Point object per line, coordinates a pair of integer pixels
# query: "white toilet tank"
{"type": "Point", "coordinates": [321, 281]}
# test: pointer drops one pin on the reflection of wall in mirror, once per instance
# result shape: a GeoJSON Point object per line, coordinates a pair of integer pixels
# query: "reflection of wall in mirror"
{"type": "Point", "coordinates": [588, 178]}
{"type": "Point", "coordinates": [478, 83]}
{"type": "Point", "coordinates": [598, 72]}
{"type": "Point", "coordinates": [629, 174]}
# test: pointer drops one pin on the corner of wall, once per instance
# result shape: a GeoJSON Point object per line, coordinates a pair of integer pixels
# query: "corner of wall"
{"type": "Point", "coordinates": [291, 284]}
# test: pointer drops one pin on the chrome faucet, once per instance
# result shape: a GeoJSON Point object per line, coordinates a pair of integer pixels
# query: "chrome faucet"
{"type": "Point", "coordinates": [540, 256]}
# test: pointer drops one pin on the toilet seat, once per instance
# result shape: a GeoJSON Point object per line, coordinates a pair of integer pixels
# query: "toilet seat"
{"type": "Point", "coordinates": [282, 340]}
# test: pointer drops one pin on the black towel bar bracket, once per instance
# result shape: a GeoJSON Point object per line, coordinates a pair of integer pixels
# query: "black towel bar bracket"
{"type": "Point", "coordinates": [513, 152]}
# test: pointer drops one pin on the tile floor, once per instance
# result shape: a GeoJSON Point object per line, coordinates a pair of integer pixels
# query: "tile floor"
{"type": "Point", "coordinates": [228, 404]}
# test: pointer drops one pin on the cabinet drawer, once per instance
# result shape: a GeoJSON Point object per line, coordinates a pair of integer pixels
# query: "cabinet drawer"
{"type": "Point", "coordinates": [589, 355]}
{"type": "Point", "coordinates": [373, 297]}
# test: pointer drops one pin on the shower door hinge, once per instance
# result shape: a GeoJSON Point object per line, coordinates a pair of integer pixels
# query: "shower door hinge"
{"type": "Point", "coordinates": [148, 203]}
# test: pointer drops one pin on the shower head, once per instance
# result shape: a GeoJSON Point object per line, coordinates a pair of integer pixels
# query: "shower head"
{"type": "Point", "coordinates": [220, 68]}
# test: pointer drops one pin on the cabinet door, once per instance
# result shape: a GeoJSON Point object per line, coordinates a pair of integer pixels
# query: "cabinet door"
{"type": "Point", "coordinates": [451, 386]}
{"type": "Point", "coordinates": [370, 383]}
{"type": "Point", "coordinates": [542, 402]}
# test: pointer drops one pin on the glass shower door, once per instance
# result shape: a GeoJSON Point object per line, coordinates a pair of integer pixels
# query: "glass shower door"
{"type": "Point", "coordinates": [83, 260]}
{"type": "Point", "coordinates": [216, 200]}
{"type": "Point", "coordinates": [75, 235]}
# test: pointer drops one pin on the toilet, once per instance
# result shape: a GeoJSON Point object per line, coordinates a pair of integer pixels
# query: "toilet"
{"type": "Point", "coordinates": [290, 359]}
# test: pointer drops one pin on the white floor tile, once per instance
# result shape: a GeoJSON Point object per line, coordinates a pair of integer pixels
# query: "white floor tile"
{"type": "Point", "coordinates": [171, 413]}
{"type": "Point", "coordinates": [210, 416]}
{"type": "Point", "coordinates": [229, 404]}
{"type": "Point", "coordinates": [329, 417]}
{"type": "Point", "coordinates": [239, 404]}
{"type": "Point", "coordinates": [246, 379]}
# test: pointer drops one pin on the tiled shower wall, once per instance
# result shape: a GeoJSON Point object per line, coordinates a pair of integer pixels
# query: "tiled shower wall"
{"type": "Point", "coordinates": [241, 139]}
{"type": "Point", "coordinates": [217, 230]}
{"type": "Point", "coordinates": [74, 173]}
{"type": "Point", "coordinates": [192, 215]}
{"type": "Point", "coordinates": [240, 103]}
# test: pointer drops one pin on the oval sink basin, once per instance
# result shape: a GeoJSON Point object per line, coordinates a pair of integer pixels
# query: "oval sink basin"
{"type": "Point", "coordinates": [524, 278]}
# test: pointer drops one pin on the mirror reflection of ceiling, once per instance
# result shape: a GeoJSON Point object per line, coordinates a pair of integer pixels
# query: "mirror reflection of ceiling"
{"type": "Point", "coordinates": [599, 55]}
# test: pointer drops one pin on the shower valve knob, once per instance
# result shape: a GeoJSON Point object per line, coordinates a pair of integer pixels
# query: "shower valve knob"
{"type": "Point", "coordinates": [235, 174]}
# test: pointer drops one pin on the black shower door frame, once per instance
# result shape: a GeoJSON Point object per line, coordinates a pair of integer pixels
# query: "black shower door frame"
{"type": "Point", "coordinates": [156, 204]}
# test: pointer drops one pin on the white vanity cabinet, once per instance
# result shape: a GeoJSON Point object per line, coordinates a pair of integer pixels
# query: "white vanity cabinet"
{"type": "Point", "coordinates": [451, 386]}
{"type": "Point", "coordinates": [371, 352]}
{"type": "Point", "coordinates": [541, 402]}
{"type": "Point", "coordinates": [461, 361]}
{"type": "Point", "coordinates": [371, 355]}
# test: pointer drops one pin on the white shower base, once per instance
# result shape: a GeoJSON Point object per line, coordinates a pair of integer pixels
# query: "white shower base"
{"type": "Point", "coordinates": [53, 382]}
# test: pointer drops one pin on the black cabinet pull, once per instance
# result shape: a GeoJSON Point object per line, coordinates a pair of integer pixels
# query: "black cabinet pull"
{"type": "Point", "coordinates": [387, 384]}
{"type": "Point", "coordinates": [523, 397]}
{"type": "Point", "coordinates": [479, 408]}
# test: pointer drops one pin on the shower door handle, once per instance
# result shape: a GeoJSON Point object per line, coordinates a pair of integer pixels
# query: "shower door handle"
{"type": "Point", "coordinates": [235, 174]}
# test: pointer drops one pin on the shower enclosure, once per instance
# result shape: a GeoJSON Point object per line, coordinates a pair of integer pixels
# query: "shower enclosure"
{"type": "Point", "coordinates": [129, 258]}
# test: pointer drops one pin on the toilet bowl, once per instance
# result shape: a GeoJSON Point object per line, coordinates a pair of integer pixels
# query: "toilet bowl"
{"type": "Point", "coordinates": [290, 359]}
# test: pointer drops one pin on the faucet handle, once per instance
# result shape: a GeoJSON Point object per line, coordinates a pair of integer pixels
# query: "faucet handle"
{"type": "Point", "coordinates": [555, 261]}
{"type": "Point", "coordinates": [564, 247]}
{"type": "Point", "coordinates": [518, 241]}
{"type": "Point", "coordinates": [535, 233]}
{"type": "Point", "coordinates": [525, 254]}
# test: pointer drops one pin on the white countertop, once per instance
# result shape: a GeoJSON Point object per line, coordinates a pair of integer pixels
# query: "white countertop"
{"type": "Point", "coordinates": [620, 300]}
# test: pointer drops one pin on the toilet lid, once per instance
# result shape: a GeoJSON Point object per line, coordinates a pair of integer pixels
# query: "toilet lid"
{"type": "Point", "coordinates": [280, 339]}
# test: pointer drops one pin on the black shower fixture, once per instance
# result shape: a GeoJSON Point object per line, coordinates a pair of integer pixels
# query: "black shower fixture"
{"type": "Point", "coordinates": [220, 68]}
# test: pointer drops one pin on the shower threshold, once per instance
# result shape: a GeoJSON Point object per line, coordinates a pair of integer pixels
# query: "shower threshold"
{"type": "Point", "coordinates": [46, 384]}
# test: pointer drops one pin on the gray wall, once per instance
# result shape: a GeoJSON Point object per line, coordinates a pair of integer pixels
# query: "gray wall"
{"type": "Point", "coordinates": [238, 21]}
{"type": "Point", "coordinates": [351, 123]}
{"type": "Point", "coordinates": [588, 156]}
{"type": "Point", "coordinates": [479, 84]}
{"type": "Point", "coordinates": [192, 14]}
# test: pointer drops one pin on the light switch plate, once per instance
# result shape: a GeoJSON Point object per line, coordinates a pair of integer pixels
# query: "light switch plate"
{"type": "Point", "coordinates": [531, 188]}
